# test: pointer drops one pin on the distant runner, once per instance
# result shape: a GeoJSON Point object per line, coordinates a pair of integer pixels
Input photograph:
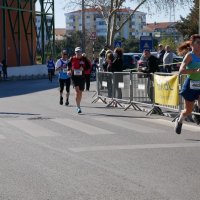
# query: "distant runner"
{"type": "Point", "coordinates": [51, 68]}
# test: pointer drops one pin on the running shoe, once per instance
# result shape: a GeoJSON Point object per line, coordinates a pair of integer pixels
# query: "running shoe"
{"type": "Point", "coordinates": [61, 100]}
{"type": "Point", "coordinates": [178, 126]}
{"type": "Point", "coordinates": [67, 102]}
{"type": "Point", "coordinates": [79, 110]}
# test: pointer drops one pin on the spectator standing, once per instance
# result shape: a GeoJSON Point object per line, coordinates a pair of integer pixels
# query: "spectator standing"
{"type": "Point", "coordinates": [50, 68]}
{"type": "Point", "coordinates": [64, 74]}
{"type": "Point", "coordinates": [78, 68]}
{"type": "Point", "coordinates": [151, 67]}
{"type": "Point", "coordinates": [168, 59]}
{"type": "Point", "coordinates": [107, 67]}
{"type": "Point", "coordinates": [102, 57]}
{"type": "Point", "coordinates": [4, 69]}
{"type": "Point", "coordinates": [151, 63]}
{"type": "Point", "coordinates": [94, 69]}
{"type": "Point", "coordinates": [191, 88]}
{"type": "Point", "coordinates": [117, 66]}
{"type": "Point", "coordinates": [87, 72]}
{"type": "Point", "coordinates": [160, 55]}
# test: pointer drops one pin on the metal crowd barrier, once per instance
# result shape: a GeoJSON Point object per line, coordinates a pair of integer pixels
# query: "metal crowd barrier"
{"type": "Point", "coordinates": [114, 87]}
{"type": "Point", "coordinates": [140, 90]}
{"type": "Point", "coordinates": [104, 82]}
{"type": "Point", "coordinates": [134, 89]}
{"type": "Point", "coordinates": [156, 107]}
{"type": "Point", "coordinates": [121, 88]}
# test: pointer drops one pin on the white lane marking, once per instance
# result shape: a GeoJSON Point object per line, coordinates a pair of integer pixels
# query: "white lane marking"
{"type": "Point", "coordinates": [133, 147]}
{"type": "Point", "coordinates": [83, 127]}
{"type": "Point", "coordinates": [185, 126]}
{"type": "Point", "coordinates": [129, 125]}
{"type": "Point", "coordinates": [32, 128]}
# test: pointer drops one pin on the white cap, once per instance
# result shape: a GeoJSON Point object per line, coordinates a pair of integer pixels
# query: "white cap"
{"type": "Point", "coordinates": [78, 49]}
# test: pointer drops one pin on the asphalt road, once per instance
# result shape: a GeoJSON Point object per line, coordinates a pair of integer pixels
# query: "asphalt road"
{"type": "Point", "coordinates": [49, 152]}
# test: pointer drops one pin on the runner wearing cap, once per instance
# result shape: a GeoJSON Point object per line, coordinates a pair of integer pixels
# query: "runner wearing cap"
{"type": "Point", "coordinates": [78, 67]}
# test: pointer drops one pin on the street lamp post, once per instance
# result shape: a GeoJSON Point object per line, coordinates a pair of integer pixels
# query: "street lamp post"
{"type": "Point", "coordinates": [199, 16]}
{"type": "Point", "coordinates": [83, 25]}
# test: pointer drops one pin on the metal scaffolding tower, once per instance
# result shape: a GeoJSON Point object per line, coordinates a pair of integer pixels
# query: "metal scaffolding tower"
{"type": "Point", "coordinates": [27, 31]}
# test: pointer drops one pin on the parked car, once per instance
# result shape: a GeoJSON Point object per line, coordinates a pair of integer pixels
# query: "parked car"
{"type": "Point", "coordinates": [130, 60]}
{"type": "Point", "coordinates": [177, 62]}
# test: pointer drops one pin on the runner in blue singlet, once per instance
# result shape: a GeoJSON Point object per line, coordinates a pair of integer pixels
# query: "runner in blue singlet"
{"type": "Point", "coordinates": [191, 87]}
{"type": "Point", "coordinates": [64, 74]}
{"type": "Point", "coordinates": [50, 67]}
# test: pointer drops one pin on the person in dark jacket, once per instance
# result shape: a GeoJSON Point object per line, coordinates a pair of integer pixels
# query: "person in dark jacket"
{"type": "Point", "coordinates": [117, 66]}
{"type": "Point", "coordinates": [151, 67]}
{"type": "Point", "coordinates": [107, 67]}
{"type": "Point", "coordinates": [87, 72]}
{"type": "Point", "coordinates": [160, 55]}
{"type": "Point", "coordinates": [151, 62]}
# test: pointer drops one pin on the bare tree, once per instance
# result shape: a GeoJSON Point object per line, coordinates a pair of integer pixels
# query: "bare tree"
{"type": "Point", "coordinates": [110, 9]}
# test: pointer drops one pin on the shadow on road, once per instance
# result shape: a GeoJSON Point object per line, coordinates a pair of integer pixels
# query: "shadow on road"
{"type": "Point", "coordinates": [15, 114]}
{"type": "Point", "coordinates": [116, 116]}
{"type": "Point", "coordinates": [15, 88]}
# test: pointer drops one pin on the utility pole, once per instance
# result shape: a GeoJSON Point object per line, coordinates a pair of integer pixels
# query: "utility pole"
{"type": "Point", "coordinates": [199, 16]}
{"type": "Point", "coordinates": [83, 25]}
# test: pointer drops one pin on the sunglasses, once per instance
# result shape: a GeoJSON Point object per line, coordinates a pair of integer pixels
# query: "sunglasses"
{"type": "Point", "coordinates": [64, 54]}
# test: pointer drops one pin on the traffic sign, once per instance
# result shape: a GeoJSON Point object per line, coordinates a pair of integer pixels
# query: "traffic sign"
{"type": "Point", "coordinates": [117, 44]}
{"type": "Point", "coordinates": [146, 42]}
{"type": "Point", "coordinates": [93, 36]}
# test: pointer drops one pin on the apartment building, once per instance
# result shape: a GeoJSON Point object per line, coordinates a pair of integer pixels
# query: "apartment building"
{"type": "Point", "coordinates": [94, 22]}
{"type": "Point", "coordinates": [162, 30]}
{"type": "Point", "coordinates": [60, 33]}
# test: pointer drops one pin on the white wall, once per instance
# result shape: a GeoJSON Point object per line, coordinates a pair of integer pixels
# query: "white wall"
{"type": "Point", "coordinates": [27, 70]}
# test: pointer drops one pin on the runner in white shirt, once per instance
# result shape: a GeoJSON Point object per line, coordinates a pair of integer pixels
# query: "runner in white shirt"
{"type": "Point", "coordinates": [64, 74]}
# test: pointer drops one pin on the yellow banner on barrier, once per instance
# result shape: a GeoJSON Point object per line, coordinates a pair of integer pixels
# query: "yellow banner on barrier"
{"type": "Point", "coordinates": [166, 90]}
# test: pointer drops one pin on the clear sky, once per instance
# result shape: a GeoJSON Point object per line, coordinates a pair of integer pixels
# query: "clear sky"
{"type": "Point", "coordinates": [153, 17]}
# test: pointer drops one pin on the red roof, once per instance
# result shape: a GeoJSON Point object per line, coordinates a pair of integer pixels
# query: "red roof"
{"type": "Point", "coordinates": [161, 25]}
{"type": "Point", "coordinates": [60, 31]}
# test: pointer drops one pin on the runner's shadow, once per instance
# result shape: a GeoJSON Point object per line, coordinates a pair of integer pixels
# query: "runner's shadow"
{"type": "Point", "coordinates": [193, 140]}
{"type": "Point", "coordinates": [13, 113]}
{"type": "Point", "coordinates": [120, 116]}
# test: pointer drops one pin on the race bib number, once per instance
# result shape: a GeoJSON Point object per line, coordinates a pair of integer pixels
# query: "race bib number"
{"type": "Point", "coordinates": [77, 72]}
{"type": "Point", "coordinates": [81, 63]}
{"type": "Point", "coordinates": [194, 85]}
{"type": "Point", "coordinates": [65, 70]}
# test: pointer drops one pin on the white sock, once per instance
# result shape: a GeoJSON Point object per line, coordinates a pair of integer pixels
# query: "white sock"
{"type": "Point", "coordinates": [198, 104]}
{"type": "Point", "coordinates": [181, 118]}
